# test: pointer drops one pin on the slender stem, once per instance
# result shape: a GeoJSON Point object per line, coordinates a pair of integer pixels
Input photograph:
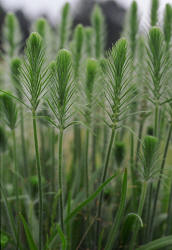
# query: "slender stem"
{"type": "Point", "coordinates": [38, 164]}
{"type": "Point", "coordinates": [159, 181]}
{"type": "Point", "coordinates": [139, 141]}
{"type": "Point", "coordinates": [102, 180]}
{"type": "Point", "coordinates": [94, 148]}
{"type": "Point", "coordinates": [140, 210]}
{"type": "Point", "coordinates": [23, 142]}
{"type": "Point", "coordinates": [53, 158]}
{"type": "Point", "coordinates": [156, 120]}
{"type": "Point", "coordinates": [149, 210]}
{"type": "Point", "coordinates": [169, 216]}
{"type": "Point", "coordinates": [16, 185]}
{"type": "Point", "coordinates": [156, 130]}
{"type": "Point", "coordinates": [60, 156]}
{"type": "Point", "coordinates": [86, 162]}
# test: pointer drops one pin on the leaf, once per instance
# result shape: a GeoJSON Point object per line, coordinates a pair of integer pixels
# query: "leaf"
{"type": "Point", "coordinates": [29, 237]}
{"type": "Point", "coordinates": [116, 224]}
{"type": "Point", "coordinates": [9, 213]}
{"type": "Point", "coordinates": [90, 198]}
{"type": "Point", "coordinates": [62, 237]}
{"type": "Point", "coordinates": [130, 219]}
{"type": "Point", "coordinates": [157, 244]}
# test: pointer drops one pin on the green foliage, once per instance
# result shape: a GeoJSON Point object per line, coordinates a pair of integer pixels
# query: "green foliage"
{"type": "Point", "coordinates": [64, 29]}
{"type": "Point", "coordinates": [133, 20]}
{"type": "Point", "coordinates": [9, 112]}
{"type": "Point", "coordinates": [3, 140]}
{"type": "Point", "coordinates": [33, 73]}
{"type": "Point", "coordinates": [61, 89]}
{"type": "Point", "coordinates": [66, 189]}
{"type": "Point", "coordinates": [28, 233]}
{"type": "Point", "coordinates": [41, 27]}
{"type": "Point", "coordinates": [154, 12]}
{"type": "Point", "coordinates": [90, 92]}
{"type": "Point", "coordinates": [158, 64]}
{"type": "Point", "coordinates": [97, 20]}
{"type": "Point", "coordinates": [157, 244]}
{"type": "Point", "coordinates": [4, 240]}
{"type": "Point", "coordinates": [11, 34]}
{"type": "Point", "coordinates": [77, 49]}
{"type": "Point", "coordinates": [89, 41]}
{"type": "Point", "coordinates": [117, 91]}
{"type": "Point", "coordinates": [167, 26]}
{"type": "Point", "coordinates": [119, 152]}
{"type": "Point", "coordinates": [149, 158]}
{"type": "Point", "coordinates": [15, 68]}
{"type": "Point", "coordinates": [116, 224]}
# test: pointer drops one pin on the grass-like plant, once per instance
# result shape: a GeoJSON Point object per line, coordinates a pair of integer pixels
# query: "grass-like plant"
{"type": "Point", "coordinates": [34, 82]}
{"type": "Point", "coordinates": [117, 94]}
{"type": "Point", "coordinates": [102, 148]}
{"type": "Point", "coordinates": [60, 102]}
{"type": "Point", "coordinates": [9, 115]}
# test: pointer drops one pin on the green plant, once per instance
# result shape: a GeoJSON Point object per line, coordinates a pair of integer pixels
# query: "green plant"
{"type": "Point", "coordinates": [60, 103]}
{"type": "Point", "coordinates": [97, 174]}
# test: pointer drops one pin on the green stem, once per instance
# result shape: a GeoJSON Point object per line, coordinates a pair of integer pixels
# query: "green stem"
{"type": "Point", "coordinates": [53, 158]}
{"type": "Point", "coordinates": [102, 180]}
{"type": "Point", "coordinates": [149, 210]}
{"type": "Point", "coordinates": [60, 156]}
{"type": "Point", "coordinates": [38, 164]}
{"type": "Point", "coordinates": [16, 185]}
{"type": "Point", "coordinates": [156, 130]}
{"type": "Point", "coordinates": [23, 142]}
{"type": "Point", "coordinates": [86, 163]}
{"type": "Point", "coordinates": [159, 181]}
{"type": "Point", "coordinates": [94, 148]}
{"type": "Point", "coordinates": [156, 120]}
{"type": "Point", "coordinates": [169, 216]}
{"type": "Point", "coordinates": [140, 210]}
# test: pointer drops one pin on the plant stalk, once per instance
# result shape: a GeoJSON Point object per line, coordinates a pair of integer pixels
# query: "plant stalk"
{"type": "Point", "coordinates": [16, 185]}
{"type": "Point", "coordinates": [140, 210]}
{"type": "Point", "coordinates": [38, 164]}
{"type": "Point", "coordinates": [60, 156]}
{"type": "Point", "coordinates": [86, 163]}
{"type": "Point", "coordinates": [102, 180]}
{"type": "Point", "coordinates": [159, 182]}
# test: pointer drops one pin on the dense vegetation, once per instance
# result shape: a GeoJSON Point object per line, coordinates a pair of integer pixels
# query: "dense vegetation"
{"type": "Point", "coordinates": [85, 135]}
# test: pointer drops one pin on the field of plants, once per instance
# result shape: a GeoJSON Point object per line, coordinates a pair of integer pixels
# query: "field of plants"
{"type": "Point", "coordinates": [85, 135]}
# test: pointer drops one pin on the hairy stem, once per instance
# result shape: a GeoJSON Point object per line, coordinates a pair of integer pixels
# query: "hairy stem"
{"type": "Point", "coordinates": [86, 162]}
{"type": "Point", "coordinates": [23, 142]}
{"type": "Point", "coordinates": [16, 185]}
{"type": "Point", "coordinates": [169, 216]}
{"type": "Point", "coordinates": [60, 156]}
{"type": "Point", "coordinates": [38, 164]}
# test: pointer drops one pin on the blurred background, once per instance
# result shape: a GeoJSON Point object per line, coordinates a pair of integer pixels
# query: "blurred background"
{"type": "Point", "coordinates": [114, 10]}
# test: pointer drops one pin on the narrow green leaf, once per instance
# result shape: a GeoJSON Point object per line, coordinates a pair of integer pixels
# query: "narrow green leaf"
{"type": "Point", "coordinates": [29, 237]}
{"type": "Point", "coordinates": [62, 237]}
{"type": "Point", "coordinates": [90, 198]}
{"type": "Point", "coordinates": [9, 213]}
{"type": "Point", "coordinates": [157, 244]}
{"type": "Point", "coordinates": [116, 224]}
{"type": "Point", "coordinates": [129, 221]}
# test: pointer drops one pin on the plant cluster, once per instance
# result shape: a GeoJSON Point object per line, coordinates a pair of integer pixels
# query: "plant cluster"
{"type": "Point", "coordinates": [85, 135]}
